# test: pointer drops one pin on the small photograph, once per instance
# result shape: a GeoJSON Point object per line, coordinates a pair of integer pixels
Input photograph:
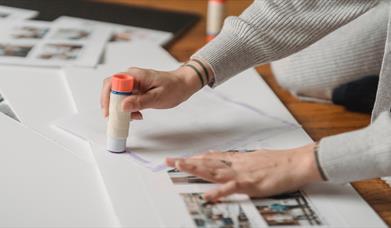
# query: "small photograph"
{"type": "Point", "coordinates": [71, 34]}
{"type": "Point", "coordinates": [290, 209]}
{"type": "Point", "coordinates": [4, 15]}
{"type": "Point", "coordinates": [128, 34]}
{"type": "Point", "coordinates": [29, 32]}
{"type": "Point", "coordinates": [122, 36]}
{"type": "Point", "coordinates": [178, 177]}
{"type": "Point", "coordinates": [60, 51]}
{"type": "Point", "coordinates": [14, 50]}
{"type": "Point", "coordinates": [224, 214]}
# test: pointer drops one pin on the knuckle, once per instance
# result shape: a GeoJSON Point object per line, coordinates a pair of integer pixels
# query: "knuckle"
{"type": "Point", "coordinates": [203, 156]}
{"type": "Point", "coordinates": [208, 155]}
{"type": "Point", "coordinates": [219, 174]}
{"type": "Point", "coordinates": [213, 173]}
{"type": "Point", "coordinates": [204, 160]}
{"type": "Point", "coordinates": [137, 103]}
{"type": "Point", "coordinates": [107, 80]}
{"type": "Point", "coordinates": [135, 70]}
{"type": "Point", "coordinates": [155, 97]}
{"type": "Point", "coordinates": [246, 183]}
{"type": "Point", "coordinates": [237, 185]}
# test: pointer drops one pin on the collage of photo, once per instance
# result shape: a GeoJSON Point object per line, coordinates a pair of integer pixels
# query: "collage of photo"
{"type": "Point", "coordinates": [51, 44]}
{"type": "Point", "coordinates": [286, 210]}
{"type": "Point", "coordinates": [215, 215]}
{"type": "Point", "coordinates": [124, 33]}
{"type": "Point", "coordinates": [291, 209]}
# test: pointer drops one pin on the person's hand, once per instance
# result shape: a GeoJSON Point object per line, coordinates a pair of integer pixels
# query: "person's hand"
{"type": "Point", "coordinates": [260, 173]}
{"type": "Point", "coordinates": [154, 89]}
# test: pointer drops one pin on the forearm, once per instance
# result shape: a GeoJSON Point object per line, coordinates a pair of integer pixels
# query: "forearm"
{"type": "Point", "coordinates": [358, 155]}
{"type": "Point", "coordinates": [270, 30]}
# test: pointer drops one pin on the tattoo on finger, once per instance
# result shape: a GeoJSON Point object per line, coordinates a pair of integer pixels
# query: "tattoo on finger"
{"type": "Point", "coordinates": [227, 163]}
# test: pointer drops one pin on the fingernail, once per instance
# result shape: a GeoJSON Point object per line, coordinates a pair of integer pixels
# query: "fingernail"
{"type": "Point", "coordinates": [140, 116]}
{"type": "Point", "coordinates": [170, 161]}
{"type": "Point", "coordinates": [207, 197]}
{"type": "Point", "coordinates": [177, 164]}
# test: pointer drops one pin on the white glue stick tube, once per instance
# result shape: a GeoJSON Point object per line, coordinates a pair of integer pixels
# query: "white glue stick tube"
{"type": "Point", "coordinates": [216, 15]}
{"type": "Point", "coordinates": [118, 125]}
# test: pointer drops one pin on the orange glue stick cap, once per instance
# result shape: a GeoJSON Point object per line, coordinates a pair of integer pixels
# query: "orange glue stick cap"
{"type": "Point", "coordinates": [218, 1]}
{"type": "Point", "coordinates": [122, 83]}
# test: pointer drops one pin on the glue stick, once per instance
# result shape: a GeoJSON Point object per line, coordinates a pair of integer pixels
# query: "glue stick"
{"type": "Point", "coordinates": [118, 125]}
{"type": "Point", "coordinates": [216, 14]}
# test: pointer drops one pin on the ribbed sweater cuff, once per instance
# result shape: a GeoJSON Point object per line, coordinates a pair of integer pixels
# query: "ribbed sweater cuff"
{"type": "Point", "coordinates": [357, 155]}
{"type": "Point", "coordinates": [227, 54]}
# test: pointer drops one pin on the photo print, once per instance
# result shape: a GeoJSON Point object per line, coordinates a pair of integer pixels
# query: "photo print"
{"type": "Point", "coordinates": [71, 34]}
{"type": "Point", "coordinates": [14, 50]}
{"type": "Point", "coordinates": [291, 209]}
{"type": "Point", "coordinates": [121, 36]}
{"type": "Point", "coordinates": [4, 15]}
{"type": "Point", "coordinates": [127, 34]}
{"type": "Point", "coordinates": [178, 177]}
{"type": "Point", "coordinates": [29, 32]}
{"type": "Point", "coordinates": [60, 51]}
{"type": "Point", "coordinates": [224, 214]}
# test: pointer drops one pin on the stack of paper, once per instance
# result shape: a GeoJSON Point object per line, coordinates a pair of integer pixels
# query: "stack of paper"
{"type": "Point", "coordinates": [43, 185]}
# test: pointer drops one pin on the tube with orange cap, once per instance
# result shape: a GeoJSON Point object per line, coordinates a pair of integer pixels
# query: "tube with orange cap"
{"type": "Point", "coordinates": [118, 124]}
{"type": "Point", "coordinates": [216, 14]}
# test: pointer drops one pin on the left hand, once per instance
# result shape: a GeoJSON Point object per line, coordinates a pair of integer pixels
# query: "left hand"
{"type": "Point", "coordinates": [260, 173]}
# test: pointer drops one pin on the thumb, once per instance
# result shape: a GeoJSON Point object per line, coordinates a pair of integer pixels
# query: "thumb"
{"type": "Point", "coordinates": [135, 103]}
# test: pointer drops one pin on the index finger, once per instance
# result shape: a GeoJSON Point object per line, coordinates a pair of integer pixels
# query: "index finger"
{"type": "Point", "coordinates": [224, 190]}
{"type": "Point", "coordinates": [105, 96]}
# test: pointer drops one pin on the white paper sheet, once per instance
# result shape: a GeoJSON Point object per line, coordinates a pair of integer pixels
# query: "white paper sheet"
{"type": "Point", "coordinates": [134, 54]}
{"type": "Point", "coordinates": [124, 33]}
{"type": "Point", "coordinates": [43, 185]}
{"type": "Point", "coordinates": [38, 97]}
{"type": "Point", "coordinates": [39, 43]}
{"type": "Point", "coordinates": [204, 122]}
{"type": "Point", "coordinates": [11, 13]}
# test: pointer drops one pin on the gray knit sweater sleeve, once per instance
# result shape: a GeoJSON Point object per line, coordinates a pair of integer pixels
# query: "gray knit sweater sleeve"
{"type": "Point", "coordinates": [358, 155]}
{"type": "Point", "coordinates": [272, 29]}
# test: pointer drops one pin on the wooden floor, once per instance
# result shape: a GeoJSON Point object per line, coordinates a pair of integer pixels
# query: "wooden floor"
{"type": "Point", "coordinates": [319, 120]}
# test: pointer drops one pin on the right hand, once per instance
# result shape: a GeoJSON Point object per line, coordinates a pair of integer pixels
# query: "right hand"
{"type": "Point", "coordinates": [154, 89]}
